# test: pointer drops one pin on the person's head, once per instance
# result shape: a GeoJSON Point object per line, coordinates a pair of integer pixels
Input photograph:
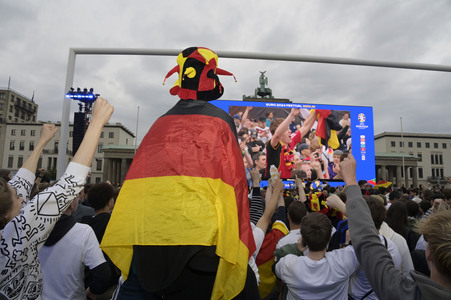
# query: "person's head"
{"type": "Point", "coordinates": [336, 156]}
{"type": "Point", "coordinates": [10, 203]}
{"type": "Point", "coordinates": [397, 217]}
{"type": "Point", "coordinates": [5, 174]}
{"type": "Point", "coordinates": [304, 149]}
{"type": "Point", "coordinates": [413, 210]}
{"type": "Point", "coordinates": [447, 195]}
{"type": "Point", "coordinates": [361, 183]}
{"type": "Point", "coordinates": [305, 166]}
{"type": "Point", "coordinates": [260, 160]}
{"type": "Point", "coordinates": [254, 134]}
{"type": "Point", "coordinates": [270, 115]}
{"type": "Point", "coordinates": [427, 195]}
{"type": "Point", "coordinates": [436, 230]}
{"type": "Point", "coordinates": [395, 195]}
{"type": "Point", "coordinates": [316, 229]}
{"type": "Point", "coordinates": [101, 195]}
{"type": "Point", "coordinates": [345, 117]}
{"type": "Point", "coordinates": [243, 135]}
{"type": "Point", "coordinates": [297, 159]}
{"type": "Point", "coordinates": [237, 119]}
{"type": "Point", "coordinates": [261, 122]}
{"type": "Point", "coordinates": [198, 71]}
{"type": "Point", "coordinates": [296, 211]}
{"type": "Point", "coordinates": [425, 205]}
{"type": "Point", "coordinates": [377, 210]}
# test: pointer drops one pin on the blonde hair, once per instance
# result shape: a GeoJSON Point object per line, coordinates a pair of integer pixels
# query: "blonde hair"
{"type": "Point", "coordinates": [436, 230]}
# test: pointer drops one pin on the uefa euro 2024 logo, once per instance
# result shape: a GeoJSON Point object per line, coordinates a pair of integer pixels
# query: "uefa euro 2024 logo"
{"type": "Point", "coordinates": [362, 117]}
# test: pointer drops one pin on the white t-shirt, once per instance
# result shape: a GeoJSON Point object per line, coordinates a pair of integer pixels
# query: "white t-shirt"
{"type": "Point", "coordinates": [63, 263]}
{"type": "Point", "coordinates": [259, 236]}
{"type": "Point", "coordinates": [327, 278]}
{"type": "Point", "coordinates": [359, 285]}
{"type": "Point", "coordinates": [291, 238]}
{"type": "Point", "coordinates": [401, 244]}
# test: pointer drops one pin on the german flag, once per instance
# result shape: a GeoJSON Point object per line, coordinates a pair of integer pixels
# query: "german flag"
{"type": "Point", "coordinates": [327, 128]}
{"type": "Point", "coordinates": [187, 186]}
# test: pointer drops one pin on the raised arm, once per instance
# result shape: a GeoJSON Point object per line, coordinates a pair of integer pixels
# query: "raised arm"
{"type": "Point", "coordinates": [101, 114]}
{"type": "Point", "coordinates": [277, 187]}
{"type": "Point", "coordinates": [301, 191]}
{"type": "Point", "coordinates": [47, 133]}
{"type": "Point", "coordinates": [308, 123]}
{"type": "Point", "coordinates": [284, 126]}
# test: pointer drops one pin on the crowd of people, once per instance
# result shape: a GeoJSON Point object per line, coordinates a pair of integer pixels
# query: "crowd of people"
{"type": "Point", "coordinates": [312, 241]}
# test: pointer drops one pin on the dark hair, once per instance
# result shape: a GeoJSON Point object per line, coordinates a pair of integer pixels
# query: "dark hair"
{"type": "Point", "coordinates": [377, 210]}
{"type": "Point", "coordinates": [425, 205]}
{"type": "Point", "coordinates": [4, 173]}
{"type": "Point", "coordinates": [397, 217]}
{"type": "Point", "coordinates": [447, 193]}
{"type": "Point", "coordinates": [274, 124]}
{"type": "Point", "coordinates": [6, 202]}
{"type": "Point", "coordinates": [394, 195]}
{"type": "Point", "coordinates": [100, 194]}
{"type": "Point", "coordinates": [427, 195]}
{"type": "Point", "coordinates": [257, 155]}
{"type": "Point", "coordinates": [297, 211]}
{"type": "Point", "coordinates": [315, 230]}
{"type": "Point", "coordinates": [412, 208]}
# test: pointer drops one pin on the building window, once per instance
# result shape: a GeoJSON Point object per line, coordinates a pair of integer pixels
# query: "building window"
{"type": "Point", "coordinates": [55, 147]}
{"type": "Point", "coordinates": [97, 179]}
{"type": "Point", "coordinates": [22, 132]}
{"type": "Point", "coordinates": [11, 145]}
{"type": "Point", "coordinates": [435, 145]}
{"type": "Point", "coordinates": [401, 144]}
{"type": "Point", "coordinates": [102, 134]}
{"type": "Point", "coordinates": [410, 144]}
{"type": "Point", "coordinates": [98, 164]}
{"type": "Point", "coordinates": [420, 156]}
{"type": "Point", "coordinates": [427, 145]}
{"type": "Point", "coordinates": [441, 173]}
{"type": "Point", "coordinates": [22, 145]}
{"type": "Point", "coordinates": [20, 162]}
{"type": "Point", "coordinates": [31, 146]}
{"type": "Point", "coordinates": [420, 172]}
{"type": "Point", "coordinates": [393, 144]}
{"type": "Point", "coordinates": [71, 133]}
{"type": "Point", "coordinates": [10, 108]}
{"type": "Point", "coordinates": [10, 162]}
{"type": "Point", "coordinates": [99, 148]}
{"type": "Point", "coordinates": [13, 132]}
{"type": "Point", "coordinates": [111, 135]}
{"type": "Point", "coordinates": [440, 159]}
{"type": "Point", "coordinates": [2, 96]}
{"type": "Point", "coordinates": [432, 159]}
{"type": "Point", "coordinates": [444, 145]}
{"type": "Point", "coordinates": [33, 132]}
{"type": "Point", "coordinates": [418, 144]}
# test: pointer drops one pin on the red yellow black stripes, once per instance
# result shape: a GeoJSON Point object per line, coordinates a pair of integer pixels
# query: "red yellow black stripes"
{"type": "Point", "coordinates": [187, 186]}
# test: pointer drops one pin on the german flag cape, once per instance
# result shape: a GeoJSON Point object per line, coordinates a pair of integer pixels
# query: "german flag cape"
{"type": "Point", "coordinates": [186, 186]}
{"type": "Point", "coordinates": [327, 128]}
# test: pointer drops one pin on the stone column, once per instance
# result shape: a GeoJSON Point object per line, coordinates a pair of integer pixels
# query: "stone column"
{"type": "Point", "coordinates": [398, 176]}
{"type": "Point", "coordinates": [406, 177]}
{"type": "Point", "coordinates": [123, 170]}
{"type": "Point", "coordinates": [106, 168]}
{"type": "Point", "coordinates": [415, 176]}
{"type": "Point", "coordinates": [383, 173]}
{"type": "Point", "coordinates": [390, 173]}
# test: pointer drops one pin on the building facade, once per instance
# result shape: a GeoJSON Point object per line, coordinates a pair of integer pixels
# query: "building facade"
{"type": "Point", "coordinates": [426, 158]}
{"type": "Point", "coordinates": [14, 108]}
{"type": "Point", "coordinates": [21, 138]}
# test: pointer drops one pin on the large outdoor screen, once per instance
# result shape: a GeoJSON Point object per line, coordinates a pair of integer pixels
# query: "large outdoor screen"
{"type": "Point", "coordinates": [361, 125]}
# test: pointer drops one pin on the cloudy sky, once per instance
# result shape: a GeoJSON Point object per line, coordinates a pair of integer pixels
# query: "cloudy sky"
{"type": "Point", "coordinates": [35, 38]}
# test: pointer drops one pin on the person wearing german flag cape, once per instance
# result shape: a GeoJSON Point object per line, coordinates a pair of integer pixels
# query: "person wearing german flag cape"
{"type": "Point", "coordinates": [180, 228]}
